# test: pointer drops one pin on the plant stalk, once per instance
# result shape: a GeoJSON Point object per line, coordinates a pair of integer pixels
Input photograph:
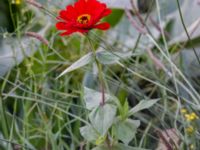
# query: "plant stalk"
{"type": "Point", "coordinates": [100, 73]}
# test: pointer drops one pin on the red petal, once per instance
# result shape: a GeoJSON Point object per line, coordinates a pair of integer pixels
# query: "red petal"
{"type": "Point", "coordinates": [62, 26]}
{"type": "Point", "coordinates": [69, 14]}
{"type": "Point", "coordinates": [102, 26]}
{"type": "Point", "coordinates": [82, 31]}
{"type": "Point", "coordinates": [100, 11]}
{"type": "Point", "coordinates": [80, 7]}
{"type": "Point", "coordinates": [106, 12]}
{"type": "Point", "coordinates": [64, 15]}
{"type": "Point", "coordinates": [67, 32]}
{"type": "Point", "coordinates": [70, 31]}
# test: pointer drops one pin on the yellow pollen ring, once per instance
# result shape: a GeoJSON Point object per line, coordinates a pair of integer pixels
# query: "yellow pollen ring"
{"type": "Point", "coordinates": [83, 19]}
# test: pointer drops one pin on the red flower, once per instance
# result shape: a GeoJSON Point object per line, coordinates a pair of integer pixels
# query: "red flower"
{"type": "Point", "coordinates": [82, 17]}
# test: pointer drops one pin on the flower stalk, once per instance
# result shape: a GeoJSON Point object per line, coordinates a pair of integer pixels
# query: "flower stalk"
{"type": "Point", "coordinates": [100, 73]}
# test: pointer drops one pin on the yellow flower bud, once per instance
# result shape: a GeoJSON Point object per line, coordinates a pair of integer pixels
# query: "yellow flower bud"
{"type": "Point", "coordinates": [187, 117]}
{"type": "Point", "coordinates": [190, 129]}
{"type": "Point", "coordinates": [183, 110]}
{"type": "Point", "coordinates": [191, 117]}
{"type": "Point", "coordinates": [194, 115]}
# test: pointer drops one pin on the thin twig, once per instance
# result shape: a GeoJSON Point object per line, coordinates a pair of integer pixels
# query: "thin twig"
{"type": "Point", "coordinates": [37, 36]}
{"type": "Point", "coordinates": [165, 141]}
{"type": "Point", "coordinates": [40, 6]}
{"type": "Point", "coordinates": [158, 27]}
{"type": "Point", "coordinates": [158, 63]}
{"type": "Point", "coordinates": [135, 10]}
{"type": "Point", "coordinates": [141, 30]}
{"type": "Point", "coordinates": [34, 3]}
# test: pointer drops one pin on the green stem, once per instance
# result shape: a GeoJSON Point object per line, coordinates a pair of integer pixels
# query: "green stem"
{"type": "Point", "coordinates": [102, 82]}
{"type": "Point", "coordinates": [3, 117]}
{"type": "Point", "coordinates": [108, 143]}
{"type": "Point", "coordinates": [100, 73]}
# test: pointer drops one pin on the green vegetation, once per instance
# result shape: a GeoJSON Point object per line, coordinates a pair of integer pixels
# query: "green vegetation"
{"type": "Point", "coordinates": [133, 87]}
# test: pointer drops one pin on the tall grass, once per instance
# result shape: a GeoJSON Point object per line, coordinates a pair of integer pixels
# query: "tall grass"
{"type": "Point", "coordinates": [38, 111]}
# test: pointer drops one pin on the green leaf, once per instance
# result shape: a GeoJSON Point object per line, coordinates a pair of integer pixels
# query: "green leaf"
{"type": "Point", "coordinates": [144, 104]}
{"type": "Point", "coordinates": [126, 130]}
{"type": "Point", "coordinates": [118, 146]}
{"type": "Point", "coordinates": [124, 110]}
{"type": "Point", "coordinates": [100, 140]}
{"type": "Point", "coordinates": [102, 117]}
{"type": "Point", "coordinates": [105, 57]}
{"type": "Point", "coordinates": [89, 133]}
{"type": "Point", "coordinates": [93, 98]}
{"type": "Point", "coordinates": [102, 147]}
{"type": "Point", "coordinates": [114, 17]}
{"type": "Point", "coordinates": [86, 59]}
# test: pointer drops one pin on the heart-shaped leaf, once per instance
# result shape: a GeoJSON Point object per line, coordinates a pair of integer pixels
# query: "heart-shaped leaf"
{"type": "Point", "coordinates": [93, 98]}
{"type": "Point", "coordinates": [126, 130]}
{"type": "Point", "coordinates": [102, 117]}
{"type": "Point", "coordinates": [89, 133]}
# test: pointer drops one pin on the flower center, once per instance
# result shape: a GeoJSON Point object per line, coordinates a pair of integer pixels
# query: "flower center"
{"type": "Point", "coordinates": [83, 19]}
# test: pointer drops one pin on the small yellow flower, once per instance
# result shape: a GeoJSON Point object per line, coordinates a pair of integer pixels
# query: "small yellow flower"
{"type": "Point", "coordinates": [16, 2]}
{"type": "Point", "coordinates": [194, 115]}
{"type": "Point", "coordinates": [191, 117]}
{"type": "Point", "coordinates": [190, 129]}
{"type": "Point", "coordinates": [183, 110]}
{"type": "Point", "coordinates": [187, 117]}
{"type": "Point", "coordinates": [191, 146]}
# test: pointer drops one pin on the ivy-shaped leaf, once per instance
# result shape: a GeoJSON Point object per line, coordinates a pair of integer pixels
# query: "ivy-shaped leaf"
{"type": "Point", "coordinates": [126, 130]}
{"type": "Point", "coordinates": [102, 117]}
{"type": "Point", "coordinates": [89, 133]}
{"type": "Point", "coordinates": [93, 98]}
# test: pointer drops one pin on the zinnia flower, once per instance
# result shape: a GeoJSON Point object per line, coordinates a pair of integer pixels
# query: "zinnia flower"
{"type": "Point", "coordinates": [83, 16]}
